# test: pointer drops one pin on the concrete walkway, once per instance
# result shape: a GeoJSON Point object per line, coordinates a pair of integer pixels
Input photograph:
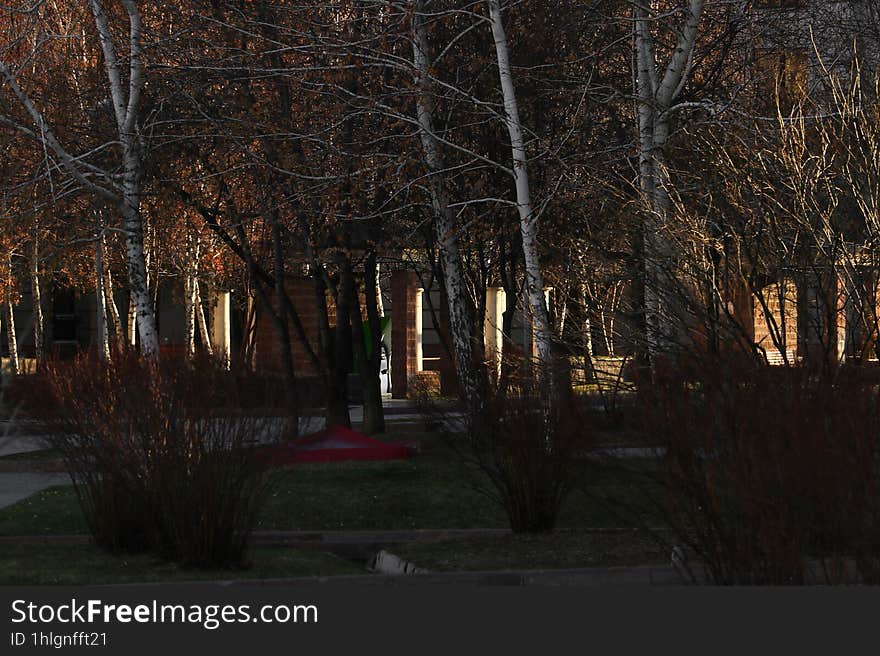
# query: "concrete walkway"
{"type": "Point", "coordinates": [21, 444]}
{"type": "Point", "coordinates": [18, 486]}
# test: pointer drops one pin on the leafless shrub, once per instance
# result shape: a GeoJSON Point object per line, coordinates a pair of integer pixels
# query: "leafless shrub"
{"type": "Point", "coordinates": [524, 443]}
{"type": "Point", "coordinates": [771, 475]}
{"type": "Point", "coordinates": [161, 455]}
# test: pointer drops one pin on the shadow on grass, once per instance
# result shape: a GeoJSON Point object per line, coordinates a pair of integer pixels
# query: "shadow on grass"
{"type": "Point", "coordinates": [358, 496]}
{"type": "Point", "coordinates": [48, 564]}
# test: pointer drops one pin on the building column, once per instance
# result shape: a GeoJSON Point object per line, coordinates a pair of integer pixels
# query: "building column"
{"type": "Point", "coordinates": [418, 328]}
{"type": "Point", "coordinates": [405, 342]}
{"type": "Point", "coordinates": [861, 335]}
{"type": "Point", "coordinates": [496, 304]}
{"type": "Point", "coordinates": [220, 328]}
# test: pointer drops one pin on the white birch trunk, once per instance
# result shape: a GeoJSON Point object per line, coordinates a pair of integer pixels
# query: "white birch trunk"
{"type": "Point", "coordinates": [112, 308]}
{"type": "Point", "coordinates": [189, 297]}
{"type": "Point", "coordinates": [189, 310]}
{"type": "Point", "coordinates": [527, 217]}
{"type": "Point", "coordinates": [126, 103]}
{"type": "Point", "coordinates": [202, 321]}
{"type": "Point", "coordinates": [124, 192]}
{"type": "Point", "coordinates": [11, 338]}
{"type": "Point", "coordinates": [647, 84]}
{"type": "Point", "coordinates": [588, 326]}
{"type": "Point", "coordinates": [380, 306]}
{"type": "Point", "coordinates": [656, 97]}
{"type": "Point", "coordinates": [137, 276]}
{"type": "Point", "coordinates": [131, 322]}
{"type": "Point", "coordinates": [101, 304]}
{"type": "Point", "coordinates": [460, 320]}
{"type": "Point", "coordinates": [37, 303]}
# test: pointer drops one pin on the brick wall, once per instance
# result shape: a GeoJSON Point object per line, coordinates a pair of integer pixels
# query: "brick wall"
{"type": "Point", "coordinates": [301, 291]}
{"type": "Point", "coordinates": [861, 336]}
{"type": "Point", "coordinates": [822, 318]}
{"type": "Point", "coordinates": [782, 306]}
{"type": "Point", "coordinates": [403, 333]}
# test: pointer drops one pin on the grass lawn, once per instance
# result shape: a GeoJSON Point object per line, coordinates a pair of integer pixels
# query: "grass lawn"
{"type": "Point", "coordinates": [354, 496]}
{"type": "Point", "coordinates": [563, 549]}
{"type": "Point", "coordinates": [52, 511]}
{"type": "Point", "coordinates": [377, 495]}
{"type": "Point", "coordinates": [420, 493]}
{"type": "Point", "coordinates": [48, 564]}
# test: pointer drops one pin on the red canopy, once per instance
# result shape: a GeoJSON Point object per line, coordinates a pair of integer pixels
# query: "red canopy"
{"type": "Point", "coordinates": [333, 444]}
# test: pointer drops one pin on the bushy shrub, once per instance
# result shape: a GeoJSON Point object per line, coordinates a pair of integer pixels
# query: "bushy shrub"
{"type": "Point", "coordinates": [161, 454]}
{"type": "Point", "coordinates": [527, 454]}
{"type": "Point", "coordinates": [523, 441]}
{"type": "Point", "coordinates": [772, 475]}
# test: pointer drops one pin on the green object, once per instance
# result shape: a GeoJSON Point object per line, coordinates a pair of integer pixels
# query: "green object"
{"type": "Point", "coordinates": [385, 327]}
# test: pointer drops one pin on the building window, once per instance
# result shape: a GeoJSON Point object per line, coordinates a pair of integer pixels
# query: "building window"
{"type": "Point", "coordinates": [63, 316]}
{"type": "Point", "coordinates": [781, 76]}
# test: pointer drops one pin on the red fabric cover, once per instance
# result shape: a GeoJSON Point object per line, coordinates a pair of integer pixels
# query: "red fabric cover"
{"type": "Point", "coordinates": [332, 444]}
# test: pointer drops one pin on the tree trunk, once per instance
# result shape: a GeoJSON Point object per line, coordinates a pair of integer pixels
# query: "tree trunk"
{"type": "Point", "coordinates": [203, 324]}
{"type": "Point", "coordinates": [142, 303]}
{"type": "Point", "coordinates": [508, 273]}
{"type": "Point", "coordinates": [131, 321]}
{"type": "Point", "coordinates": [189, 313]}
{"type": "Point", "coordinates": [11, 338]}
{"type": "Point", "coordinates": [528, 218]}
{"type": "Point", "coordinates": [373, 386]}
{"type": "Point", "coordinates": [101, 303]}
{"type": "Point", "coordinates": [380, 305]}
{"type": "Point", "coordinates": [112, 309]}
{"type": "Point", "coordinates": [343, 342]}
{"type": "Point", "coordinates": [470, 385]}
{"type": "Point", "coordinates": [125, 192]}
{"type": "Point", "coordinates": [588, 324]}
{"type": "Point", "coordinates": [656, 97]}
{"type": "Point", "coordinates": [589, 361]}
{"type": "Point", "coordinates": [250, 332]}
{"type": "Point", "coordinates": [126, 108]}
{"type": "Point", "coordinates": [189, 296]}
{"type": "Point", "coordinates": [37, 304]}
{"type": "Point", "coordinates": [279, 321]}
{"type": "Point", "coordinates": [509, 356]}
{"type": "Point", "coordinates": [335, 392]}
{"type": "Point", "coordinates": [367, 366]}
{"type": "Point", "coordinates": [292, 428]}
{"type": "Point", "coordinates": [151, 260]}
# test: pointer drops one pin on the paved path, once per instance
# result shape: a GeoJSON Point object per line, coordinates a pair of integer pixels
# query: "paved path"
{"type": "Point", "coordinates": [18, 486]}
{"type": "Point", "coordinates": [20, 444]}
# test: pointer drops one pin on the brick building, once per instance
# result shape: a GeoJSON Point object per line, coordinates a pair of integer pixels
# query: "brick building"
{"type": "Point", "coordinates": [70, 321]}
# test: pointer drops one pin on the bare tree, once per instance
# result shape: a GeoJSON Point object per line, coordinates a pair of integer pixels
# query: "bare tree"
{"type": "Point", "coordinates": [658, 88]}
{"type": "Point", "coordinates": [461, 320]}
{"type": "Point", "coordinates": [528, 217]}
{"type": "Point", "coordinates": [124, 192]}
